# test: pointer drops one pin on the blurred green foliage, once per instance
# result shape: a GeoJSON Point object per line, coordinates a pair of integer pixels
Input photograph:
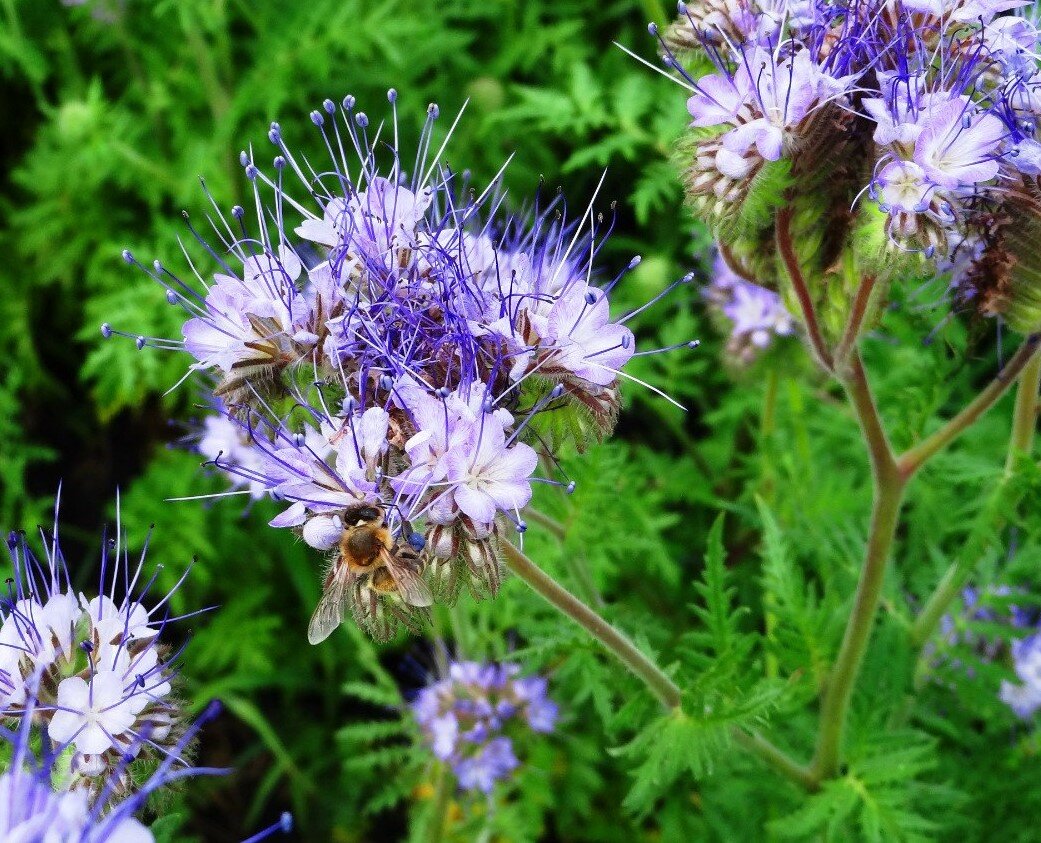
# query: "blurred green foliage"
{"type": "Point", "coordinates": [113, 111]}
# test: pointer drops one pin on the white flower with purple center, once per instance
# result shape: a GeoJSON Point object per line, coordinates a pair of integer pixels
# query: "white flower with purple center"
{"type": "Point", "coordinates": [764, 98]}
{"type": "Point", "coordinates": [90, 671]}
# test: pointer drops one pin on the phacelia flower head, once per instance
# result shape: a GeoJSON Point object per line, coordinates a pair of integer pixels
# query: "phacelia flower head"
{"type": "Point", "coordinates": [873, 136]}
{"type": "Point", "coordinates": [392, 348]}
{"type": "Point", "coordinates": [90, 671]}
{"type": "Point", "coordinates": [43, 798]}
{"type": "Point", "coordinates": [754, 315]}
{"type": "Point", "coordinates": [470, 719]}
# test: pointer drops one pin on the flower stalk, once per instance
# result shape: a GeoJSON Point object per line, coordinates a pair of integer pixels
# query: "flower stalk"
{"type": "Point", "coordinates": [1024, 425]}
{"type": "Point", "coordinates": [916, 457]}
{"type": "Point", "coordinates": [786, 247]}
{"type": "Point", "coordinates": [667, 691]}
{"type": "Point", "coordinates": [442, 798]}
{"type": "Point", "coordinates": [618, 644]}
{"type": "Point", "coordinates": [888, 493]}
{"type": "Point", "coordinates": [888, 497]}
{"type": "Point", "coordinates": [890, 475]}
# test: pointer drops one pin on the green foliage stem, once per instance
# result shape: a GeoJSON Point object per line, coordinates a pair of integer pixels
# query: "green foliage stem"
{"type": "Point", "coordinates": [916, 457]}
{"type": "Point", "coordinates": [616, 642]}
{"type": "Point", "coordinates": [442, 799]}
{"type": "Point", "coordinates": [888, 494]}
{"type": "Point", "coordinates": [1004, 498]}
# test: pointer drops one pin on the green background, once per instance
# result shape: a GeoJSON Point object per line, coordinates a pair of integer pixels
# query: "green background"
{"type": "Point", "coordinates": [111, 113]}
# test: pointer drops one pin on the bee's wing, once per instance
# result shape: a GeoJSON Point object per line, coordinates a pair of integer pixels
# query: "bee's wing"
{"type": "Point", "coordinates": [328, 615]}
{"type": "Point", "coordinates": [411, 585]}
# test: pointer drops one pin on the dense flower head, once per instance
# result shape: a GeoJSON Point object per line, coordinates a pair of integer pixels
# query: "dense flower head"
{"type": "Point", "coordinates": [42, 799]}
{"type": "Point", "coordinates": [916, 117]}
{"type": "Point", "coordinates": [469, 718]}
{"type": "Point", "coordinates": [754, 315]}
{"type": "Point", "coordinates": [90, 671]}
{"type": "Point", "coordinates": [389, 341]}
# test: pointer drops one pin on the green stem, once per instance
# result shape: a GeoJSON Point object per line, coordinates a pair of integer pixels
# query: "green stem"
{"type": "Point", "coordinates": [614, 641]}
{"type": "Point", "coordinates": [786, 247]}
{"type": "Point", "coordinates": [1002, 500]}
{"type": "Point", "coordinates": [857, 318]}
{"type": "Point", "coordinates": [767, 487]}
{"type": "Point", "coordinates": [888, 493]}
{"type": "Point", "coordinates": [914, 458]}
{"type": "Point", "coordinates": [576, 562]}
{"type": "Point", "coordinates": [459, 630]}
{"type": "Point", "coordinates": [1024, 418]}
{"type": "Point", "coordinates": [839, 689]}
{"type": "Point", "coordinates": [776, 758]}
{"type": "Point", "coordinates": [642, 667]}
{"type": "Point", "coordinates": [768, 419]}
{"type": "Point", "coordinates": [439, 809]}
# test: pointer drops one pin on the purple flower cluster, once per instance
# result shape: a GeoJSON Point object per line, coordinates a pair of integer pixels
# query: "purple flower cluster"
{"type": "Point", "coordinates": [467, 717]}
{"type": "Point", "coordinates": [755, 315]}
{"type": "Point", "coordinates": [1024, 696]}
{"type": "Point", "coordinates": [394, 340]}
{"type": "Point", "coordinates": [90, 673]}
{"type": "Point", "coordinates": [929, 108]}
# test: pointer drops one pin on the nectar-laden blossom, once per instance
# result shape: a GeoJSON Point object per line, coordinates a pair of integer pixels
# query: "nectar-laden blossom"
{"type": "Point", "coordinates": [470, 719]}
{"type": "Point", "coordinates": [90, 670]}
{"type": "Point", "coordinates": [391, 338]}
{"type": "Point", "coordinates": [925, 110]}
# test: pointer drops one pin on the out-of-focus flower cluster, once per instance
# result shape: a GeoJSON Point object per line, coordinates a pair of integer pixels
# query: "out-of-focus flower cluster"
{"type": "Point", "coordinates": [1024, 696]}
{"type": "Point", "coordinates": [995, 607]}
{"type": "Point", "coordinates": [391, 339]}
{"type": "Point", "coordinates": [754, 315]}
{"type": "Point", "coordinates": [470, 717]}
{"type": "Point", "coordinates": [891, 133]}
{"type": "Point", "coordinates": [87, 681]}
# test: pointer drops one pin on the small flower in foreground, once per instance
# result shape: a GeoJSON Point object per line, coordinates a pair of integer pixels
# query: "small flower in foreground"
{"type": "Point", "coordinates": [469, 719]}
{"type": "Point", "coordinates": [90, 671]}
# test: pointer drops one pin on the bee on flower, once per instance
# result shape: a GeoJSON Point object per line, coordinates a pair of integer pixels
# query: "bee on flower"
{"type": "Point", "coordinates": [392, 351]}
